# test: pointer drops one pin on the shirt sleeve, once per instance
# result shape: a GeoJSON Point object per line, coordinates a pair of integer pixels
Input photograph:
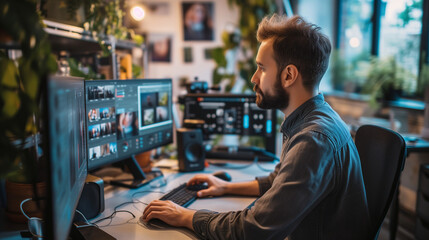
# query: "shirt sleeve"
{"type": "Point", "coordinates": [304, 177]}
{"type": "Point", "coordinates": [266, 182]}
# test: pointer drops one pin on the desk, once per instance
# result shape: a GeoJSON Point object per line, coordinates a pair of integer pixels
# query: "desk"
{"type": "Point", "coordinates": [414, 144]}
{"type": "Point", "coordinates": [123, 226]}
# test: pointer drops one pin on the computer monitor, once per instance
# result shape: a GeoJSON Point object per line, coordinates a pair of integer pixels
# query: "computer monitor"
{"type": "Point", "coordinates": [66, 157]}
{"type": "Point", "coordinates": [127, 117]}
{"type": "Point", "coordinates": [231, 114]}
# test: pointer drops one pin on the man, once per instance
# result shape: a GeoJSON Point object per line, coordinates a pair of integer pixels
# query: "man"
{"type": "Point", "coordinates": [317, 189]}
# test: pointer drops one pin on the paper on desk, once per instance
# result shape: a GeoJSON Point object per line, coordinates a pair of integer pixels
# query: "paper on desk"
{"type": "Point", "coordinates": [166, 163]}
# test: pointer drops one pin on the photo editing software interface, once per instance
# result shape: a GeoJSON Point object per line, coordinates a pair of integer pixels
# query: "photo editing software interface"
{"type": "Point", "coordinates": [67, 156]}
{"type": "Point", "coordinates": [232, 114]}
{"type": "Point", "coordinates": [127, 117]}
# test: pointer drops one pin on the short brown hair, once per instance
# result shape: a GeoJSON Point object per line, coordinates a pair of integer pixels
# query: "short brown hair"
{"type": "Point", "coordinates": [299, 43]}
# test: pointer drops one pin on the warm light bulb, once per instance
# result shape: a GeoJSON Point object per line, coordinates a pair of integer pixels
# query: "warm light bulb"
{"type": "Point", "coordinates": [137, 13]}
{"type": "Point", "coordinates": [354, 42]}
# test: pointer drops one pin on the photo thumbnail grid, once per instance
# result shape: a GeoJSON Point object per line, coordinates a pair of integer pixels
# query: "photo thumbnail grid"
{"type": "Point", "coordinates": [101, 130]}
{"type": "Point", "coordinates": [96, 114]}
{"type": "Point", "coordinates": [154, 108]}
{"type": "Point", "coordinates": [101, 92]}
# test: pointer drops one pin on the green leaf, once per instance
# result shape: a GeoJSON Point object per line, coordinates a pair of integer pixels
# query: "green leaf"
{"type": "Point", "coordinates": [30, 79]}
{"type": "Point", "coordinates": [11, 103]}
{"type": "Point", "coordinates": [8, 73]}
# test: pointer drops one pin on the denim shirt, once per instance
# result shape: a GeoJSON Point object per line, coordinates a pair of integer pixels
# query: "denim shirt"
{"type": "Point", "coordinates": [315, 192]}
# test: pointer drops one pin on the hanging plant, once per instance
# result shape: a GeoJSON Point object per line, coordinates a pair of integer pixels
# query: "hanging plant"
{"type": "Point", "coordinates": [20, 80]}
{"type": "Point", "coordinates": [103, 19]}
{"type": "Point", "coordinates": [251, 13]}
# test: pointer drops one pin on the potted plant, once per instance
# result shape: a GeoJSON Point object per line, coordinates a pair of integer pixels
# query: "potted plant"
{"type": "Point", "coordinates": [386, 80]}
{"type": "Point", "coordinates": [20, 81]}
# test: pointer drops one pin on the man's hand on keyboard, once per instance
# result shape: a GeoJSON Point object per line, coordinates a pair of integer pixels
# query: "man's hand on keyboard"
{"type": "Point", "coordinates": [170, 213]}
{"type": "Point", "coordinates": [216, 186]}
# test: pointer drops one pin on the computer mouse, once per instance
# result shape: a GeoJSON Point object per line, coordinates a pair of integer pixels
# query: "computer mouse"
{"type": "Point", "coordinates": [153, 223]}
{"type": "Point", "coordinates": [223, 175]}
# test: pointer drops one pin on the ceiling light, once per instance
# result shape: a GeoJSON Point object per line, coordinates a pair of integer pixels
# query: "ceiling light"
{"type": "Point", "coordinates": [137, 12]}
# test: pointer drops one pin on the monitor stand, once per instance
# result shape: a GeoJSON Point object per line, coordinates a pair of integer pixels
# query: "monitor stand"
{"type": "Point", "coordinates": [88, 233]}
{"type": "Point", "coordinates": [139, 177]}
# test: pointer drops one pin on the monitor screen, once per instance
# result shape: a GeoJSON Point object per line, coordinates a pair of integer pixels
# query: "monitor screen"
{"type": "Point", "coordinates": [126, 117]}
{"type": "Point", "coordinates": [66, 151]}
{"type": "Point", "coordinates": [232, 114]}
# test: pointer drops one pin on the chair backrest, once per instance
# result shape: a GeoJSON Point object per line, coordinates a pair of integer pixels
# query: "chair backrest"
{"type": "Point", "coordinates": [382, 156]}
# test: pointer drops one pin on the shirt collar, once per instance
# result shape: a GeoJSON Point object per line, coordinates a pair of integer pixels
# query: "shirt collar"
{"type": "Point", "coordinates": [300, 113]}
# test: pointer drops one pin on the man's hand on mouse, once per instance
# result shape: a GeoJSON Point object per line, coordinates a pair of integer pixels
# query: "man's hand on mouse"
{"type": "Point", "coordinates": [170, 213]}
{"type": "Point", "coordinates": [216, 186]}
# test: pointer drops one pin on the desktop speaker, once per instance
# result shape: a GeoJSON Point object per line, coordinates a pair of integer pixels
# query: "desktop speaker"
{"type": "Point", "coordinates": [190, 149]}
{"type": "Point", "coordinates": [91, 202]}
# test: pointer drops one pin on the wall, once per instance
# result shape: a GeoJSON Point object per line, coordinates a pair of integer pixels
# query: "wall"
{"type": "Point", "coordinates": [171, 23]}
{"type": "Point", "coordinates": [322, 14]}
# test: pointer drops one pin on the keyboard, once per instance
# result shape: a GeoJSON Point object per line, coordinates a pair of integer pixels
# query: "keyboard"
{"type": "Point", "coordinates": [184, 195]}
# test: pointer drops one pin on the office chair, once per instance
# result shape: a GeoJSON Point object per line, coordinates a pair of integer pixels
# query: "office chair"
{"type": "Point", "coordinates": [382, 156]}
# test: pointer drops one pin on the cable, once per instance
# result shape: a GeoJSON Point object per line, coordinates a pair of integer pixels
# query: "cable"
{"type": "Point", "coordinates": [83, 216]}
{"type": "Point", "coordinates": [112, 216]}
{"type": "Point", "coordinates": [115, 209]}
{"type": "Point", "coordinates": [22, 210]}
{"type": "Point", "coordinates": [263, 169]}
{"type": "Point", "coordinates": [138, 201]}
{"type": "Point", "coordinates": [33, 221]}
{"type": "Point", "coordinates": [131, 202]}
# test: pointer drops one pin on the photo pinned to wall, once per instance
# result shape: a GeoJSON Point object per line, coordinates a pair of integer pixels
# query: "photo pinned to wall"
{"type": "Point", "coordinates": [158, 8]}
{"type": "Point", "coordinates": [160, 47]}
{"type": "Point", "coordinates": [187, 55]}
{"type": "Point", "coordinates": [198, 21]}
{"type": "Point", "coordinates": [208, 53]}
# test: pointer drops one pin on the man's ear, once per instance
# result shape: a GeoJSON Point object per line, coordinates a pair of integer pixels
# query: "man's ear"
{"type": "Point", "coordinates": [289, 75]}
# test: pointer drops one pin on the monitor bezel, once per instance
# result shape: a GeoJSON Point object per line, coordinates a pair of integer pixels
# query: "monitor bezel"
{"type": "Point", "coordinates": [50, 230]}
{"type": "Point", "coordinates": [130, 155]}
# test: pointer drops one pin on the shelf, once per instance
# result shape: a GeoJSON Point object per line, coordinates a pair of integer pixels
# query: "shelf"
{"type": "Point", "coordinates": [77, 40]}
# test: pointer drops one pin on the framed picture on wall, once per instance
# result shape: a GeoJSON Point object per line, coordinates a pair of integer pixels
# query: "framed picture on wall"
{"type": "Point", "coordinates": [197, 21]}
{"type": "Point", "coordinates": [187, 55]}
{"type": "Point", "coordinates": [160, 47]}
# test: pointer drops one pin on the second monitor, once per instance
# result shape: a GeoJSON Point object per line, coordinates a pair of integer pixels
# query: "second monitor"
{"type": "Point", "coordinates": [232, 114]}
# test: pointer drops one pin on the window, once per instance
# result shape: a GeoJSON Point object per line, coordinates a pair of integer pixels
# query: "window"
{"type": "Point", "coordinates": [356, 28]}
{"type": "Point", "coordinates": [400, 33]}
{"type": "Point", "coordinates": [385, 28]}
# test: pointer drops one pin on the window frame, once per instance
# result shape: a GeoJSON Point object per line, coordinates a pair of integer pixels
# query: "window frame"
{"type": "Point", "coordinates": [376, 28]}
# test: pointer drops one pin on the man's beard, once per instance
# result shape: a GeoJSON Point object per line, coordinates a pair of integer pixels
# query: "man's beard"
{"type": "Point", "coordinates": [280, 99]}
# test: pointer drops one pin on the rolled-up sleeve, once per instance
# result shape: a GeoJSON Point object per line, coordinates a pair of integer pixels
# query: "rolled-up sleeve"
{"type": "Point", "coordinates": [304, 177]}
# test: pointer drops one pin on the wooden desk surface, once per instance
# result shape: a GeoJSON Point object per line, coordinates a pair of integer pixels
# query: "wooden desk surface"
{"type": "Point", "coordinates": [124, 226]}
